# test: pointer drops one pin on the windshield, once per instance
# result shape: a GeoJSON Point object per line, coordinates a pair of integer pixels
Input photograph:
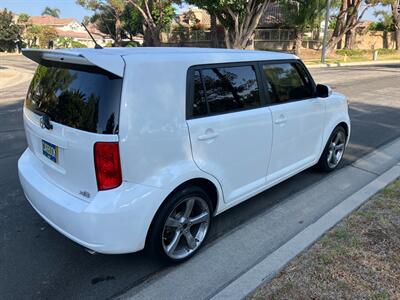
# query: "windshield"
{"type": "Point", "coordinates": [82, 97]}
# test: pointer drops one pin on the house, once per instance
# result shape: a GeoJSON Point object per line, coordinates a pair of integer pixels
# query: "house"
{"type": "Point", "coordinates": [272, 18]}
{"type": "Point", "coordinates": [71, 28]}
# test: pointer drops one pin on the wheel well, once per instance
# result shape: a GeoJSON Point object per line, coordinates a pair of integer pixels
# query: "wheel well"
{"type": "Point", "coordinates": [345, 126]}
{"type": "Point", "coordinates": [203, 183]}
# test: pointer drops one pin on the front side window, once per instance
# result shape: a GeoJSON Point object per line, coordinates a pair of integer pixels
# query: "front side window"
{"type": "Point", "coordinates": [225, 89]}
{"type": "Point", "coordinates": [285, 82]}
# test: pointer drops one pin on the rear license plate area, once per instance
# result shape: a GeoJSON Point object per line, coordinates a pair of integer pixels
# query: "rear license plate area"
{"type": "Point", "coordinates": [50, 151]}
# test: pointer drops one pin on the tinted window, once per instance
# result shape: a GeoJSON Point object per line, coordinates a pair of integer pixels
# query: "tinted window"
{"type": "Point", "coordinates": [285, 83]}
{"type": "Point", "coordinates": [81, 97]}
{"type": "Point", "coordinates": [229, 89]}
{"type": "Point", "coordinates": [199, 100]}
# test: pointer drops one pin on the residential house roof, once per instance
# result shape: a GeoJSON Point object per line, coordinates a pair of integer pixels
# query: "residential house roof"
{"type": "Point", "coordinates": [51, 21]}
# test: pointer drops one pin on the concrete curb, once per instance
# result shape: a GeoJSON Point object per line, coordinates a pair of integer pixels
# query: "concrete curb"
{"type": "Point", "coordinates": [361, 63]}
{"type": "Point", "coordinates": [273, 263]}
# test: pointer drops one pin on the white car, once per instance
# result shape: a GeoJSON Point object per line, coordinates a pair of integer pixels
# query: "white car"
{"type": "Point", "coordinates": [140, 147]}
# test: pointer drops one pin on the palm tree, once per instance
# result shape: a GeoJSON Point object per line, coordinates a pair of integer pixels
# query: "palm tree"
{"type": "Point", "coordinates": [48, 11]}
{"type": "Point", "coordinates": [64, 42]}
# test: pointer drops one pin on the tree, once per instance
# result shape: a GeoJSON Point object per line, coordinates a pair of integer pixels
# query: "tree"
{"type": "Point", "coordinates": [108, 16]}
{"type": "Point", "coordinates": [31, 35]}
{"type": "Point", "coordinates": [349, 16]}
{"type": "Point", "coordinates": [239, 18]}
{"type": "Point", "coordinates": [64, 42]}
{"type": "Point", "coordinates": [48, 11]}
{"type": "Point", "coordinates": [86, 20]}
{"type": "Point", "coordinates": [384, 24]}
{"type": "Point", "coordinates": [9, 31]}
{"type": "Point", "coordinates": [302, 15]}
{"type": "Point", "coordinates": [157, 16]}
{"type": "Point", "coordinates": [395, 6]}
{"type": "Point", "coordinates": [23, 18]}
{"type": "Point", "coordinates": [23, 22]}
{"type": "Point", "coordinates": [47, 35]}
{"type": "Point", "coordinates": [132, 22]}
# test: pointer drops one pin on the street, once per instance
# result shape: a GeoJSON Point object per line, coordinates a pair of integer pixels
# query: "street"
{"type": "Point", "coordinates": [38, 262]}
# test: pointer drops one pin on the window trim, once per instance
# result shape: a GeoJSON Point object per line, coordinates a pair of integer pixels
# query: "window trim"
{"type": "Point", "coordinates": [264, 102]}
{"type": "Point", "coordinates": [301, 68]}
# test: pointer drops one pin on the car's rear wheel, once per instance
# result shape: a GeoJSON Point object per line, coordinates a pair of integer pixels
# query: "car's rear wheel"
{"type": "Point", "coordinates": [181, 225]}
{"type": "Point", "coordinates": [334, 150]}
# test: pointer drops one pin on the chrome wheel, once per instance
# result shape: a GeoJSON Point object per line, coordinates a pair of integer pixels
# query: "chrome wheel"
{"type": "Point", "coordinates": [336, 149]}
{"type": "Point", "coordinates": [186, 227]}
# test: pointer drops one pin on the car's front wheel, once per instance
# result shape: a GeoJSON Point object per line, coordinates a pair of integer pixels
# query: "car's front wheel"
{"type": "Point", "coordinates": [334, 150]}
{"type": "Point", "coordinates": [181, 225]}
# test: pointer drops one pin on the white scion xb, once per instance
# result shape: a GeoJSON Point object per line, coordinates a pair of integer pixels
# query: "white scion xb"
{"type": "Point", "coordinates": [135, 147]}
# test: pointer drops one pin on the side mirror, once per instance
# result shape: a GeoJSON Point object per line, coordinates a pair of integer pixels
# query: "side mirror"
{"type": "Point", "coordinates": [323, 91]}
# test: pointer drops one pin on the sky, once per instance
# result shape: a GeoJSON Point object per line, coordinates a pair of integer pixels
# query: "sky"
{"type": "Point", "coordinates": [69, 9]}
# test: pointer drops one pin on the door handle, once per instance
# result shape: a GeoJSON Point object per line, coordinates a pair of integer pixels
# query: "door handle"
{"type": "Point", "coordinates": [281, 120]}
{"type": "Point", "coordinates": [207, 136]}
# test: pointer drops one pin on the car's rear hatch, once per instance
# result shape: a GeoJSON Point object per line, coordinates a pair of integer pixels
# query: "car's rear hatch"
{"type": "Point", "coordinates": [73, 103]}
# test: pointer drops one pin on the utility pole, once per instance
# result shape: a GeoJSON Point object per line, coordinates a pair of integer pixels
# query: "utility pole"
{"type": "Point", "coordinates": [325, 40]}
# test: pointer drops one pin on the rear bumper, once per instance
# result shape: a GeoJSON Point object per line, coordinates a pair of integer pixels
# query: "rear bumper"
{"type": "Point", "coordinates": [114, 221]}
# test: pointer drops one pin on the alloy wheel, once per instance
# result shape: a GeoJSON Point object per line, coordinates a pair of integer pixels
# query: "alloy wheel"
{"type": "Point", "coordinates": [186, 227]}
{"type": "Point", "coordinates": [336, 149]}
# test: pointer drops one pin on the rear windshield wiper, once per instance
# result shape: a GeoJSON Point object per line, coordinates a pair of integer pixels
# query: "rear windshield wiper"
{"type": "Point", "coordinates": [44, 120]}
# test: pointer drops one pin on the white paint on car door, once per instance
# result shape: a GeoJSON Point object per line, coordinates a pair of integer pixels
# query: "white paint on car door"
{"type": "Point", "coordinates": [234, 148]}
{"type": "Point", "coordinates": [298, 129]}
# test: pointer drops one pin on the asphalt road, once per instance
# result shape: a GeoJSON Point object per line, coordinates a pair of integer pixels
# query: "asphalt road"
{"type": "Point", "coordinates": [38, 262]}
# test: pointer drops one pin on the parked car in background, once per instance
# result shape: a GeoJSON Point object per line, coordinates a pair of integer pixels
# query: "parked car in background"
{"type": "Point", "coordinates": [134, 147]}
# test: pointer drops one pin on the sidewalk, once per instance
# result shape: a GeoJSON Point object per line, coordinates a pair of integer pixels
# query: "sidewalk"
{"type": "Point", "coordinates": [360, 63]}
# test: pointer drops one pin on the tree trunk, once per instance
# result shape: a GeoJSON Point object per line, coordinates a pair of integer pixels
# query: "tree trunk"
{"type": "Point", "coordinates": [239, 32]}
{"type": "Point", "coordinates": [298, 42]}
{"type": "Point", "coordinates": [118, 25]}
{"type": "Point", "coordinates": [396, 21]}
{"type": "Point", "coordinates": [213, 31]}
{"type": "Point", "coordinates": [340, 24]}
{"type": "Point", "coordinates": [153, 38]}
{"type": "Point", "coordinates": [348, 18]}
{"type": "Point", "coordinates": [350, 39]}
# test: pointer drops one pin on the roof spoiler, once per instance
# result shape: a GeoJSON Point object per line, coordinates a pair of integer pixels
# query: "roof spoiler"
{"type": "Point", "coordinates": [106, 61]}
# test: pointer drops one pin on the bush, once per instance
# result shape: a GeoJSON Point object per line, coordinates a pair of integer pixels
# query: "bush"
{"type": "Point", "coordinates": [352, 53]}
{"type": "Point", "coordinates": [76, 44]}
{"type": "Point", "coordinates": [130, 44]}
{"type": "Point", "coordinates": [386, 51]}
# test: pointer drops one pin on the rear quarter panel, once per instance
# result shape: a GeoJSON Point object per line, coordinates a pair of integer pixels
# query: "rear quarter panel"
{"type": "Point", "coordinates": [154, 138]}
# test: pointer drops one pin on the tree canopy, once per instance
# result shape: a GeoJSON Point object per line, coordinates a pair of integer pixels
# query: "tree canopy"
{"type": "Point", "coordinates": [9, 32]}
{"type": "Point", "coordinates": [239, 18]}
{"type": "Point", "coordinates": [48, 11]}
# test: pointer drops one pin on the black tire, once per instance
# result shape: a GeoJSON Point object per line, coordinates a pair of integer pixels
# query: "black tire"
{"type": "Point", "coordinates": [155, 244]}
{"type": "Point", "coordinates": [323, 164]}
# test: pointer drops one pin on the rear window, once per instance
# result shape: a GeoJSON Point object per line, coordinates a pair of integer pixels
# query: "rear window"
{"type": "Point", "coordinates": [82, 97]}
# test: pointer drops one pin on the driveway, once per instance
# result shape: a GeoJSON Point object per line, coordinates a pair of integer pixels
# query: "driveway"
{"type": "Point", "coordinates": [38, 262]}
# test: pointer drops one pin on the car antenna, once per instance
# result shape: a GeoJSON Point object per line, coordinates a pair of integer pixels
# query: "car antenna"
{"type": "Point", "coordinates": [96, 46]}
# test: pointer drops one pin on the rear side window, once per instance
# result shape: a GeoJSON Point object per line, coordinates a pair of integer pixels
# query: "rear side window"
{"type": "Point", "coordinates": [286, 82]}
{"type": "Point", "coordinates": [82, 97]}
{"type": "Point", "coordinates": [199, 99]}
{"type": "Point", "coordinates": [225, 89]}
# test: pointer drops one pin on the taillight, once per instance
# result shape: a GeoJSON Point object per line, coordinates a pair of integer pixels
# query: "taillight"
{"type": "Point", "coordinates": [107, 165]}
